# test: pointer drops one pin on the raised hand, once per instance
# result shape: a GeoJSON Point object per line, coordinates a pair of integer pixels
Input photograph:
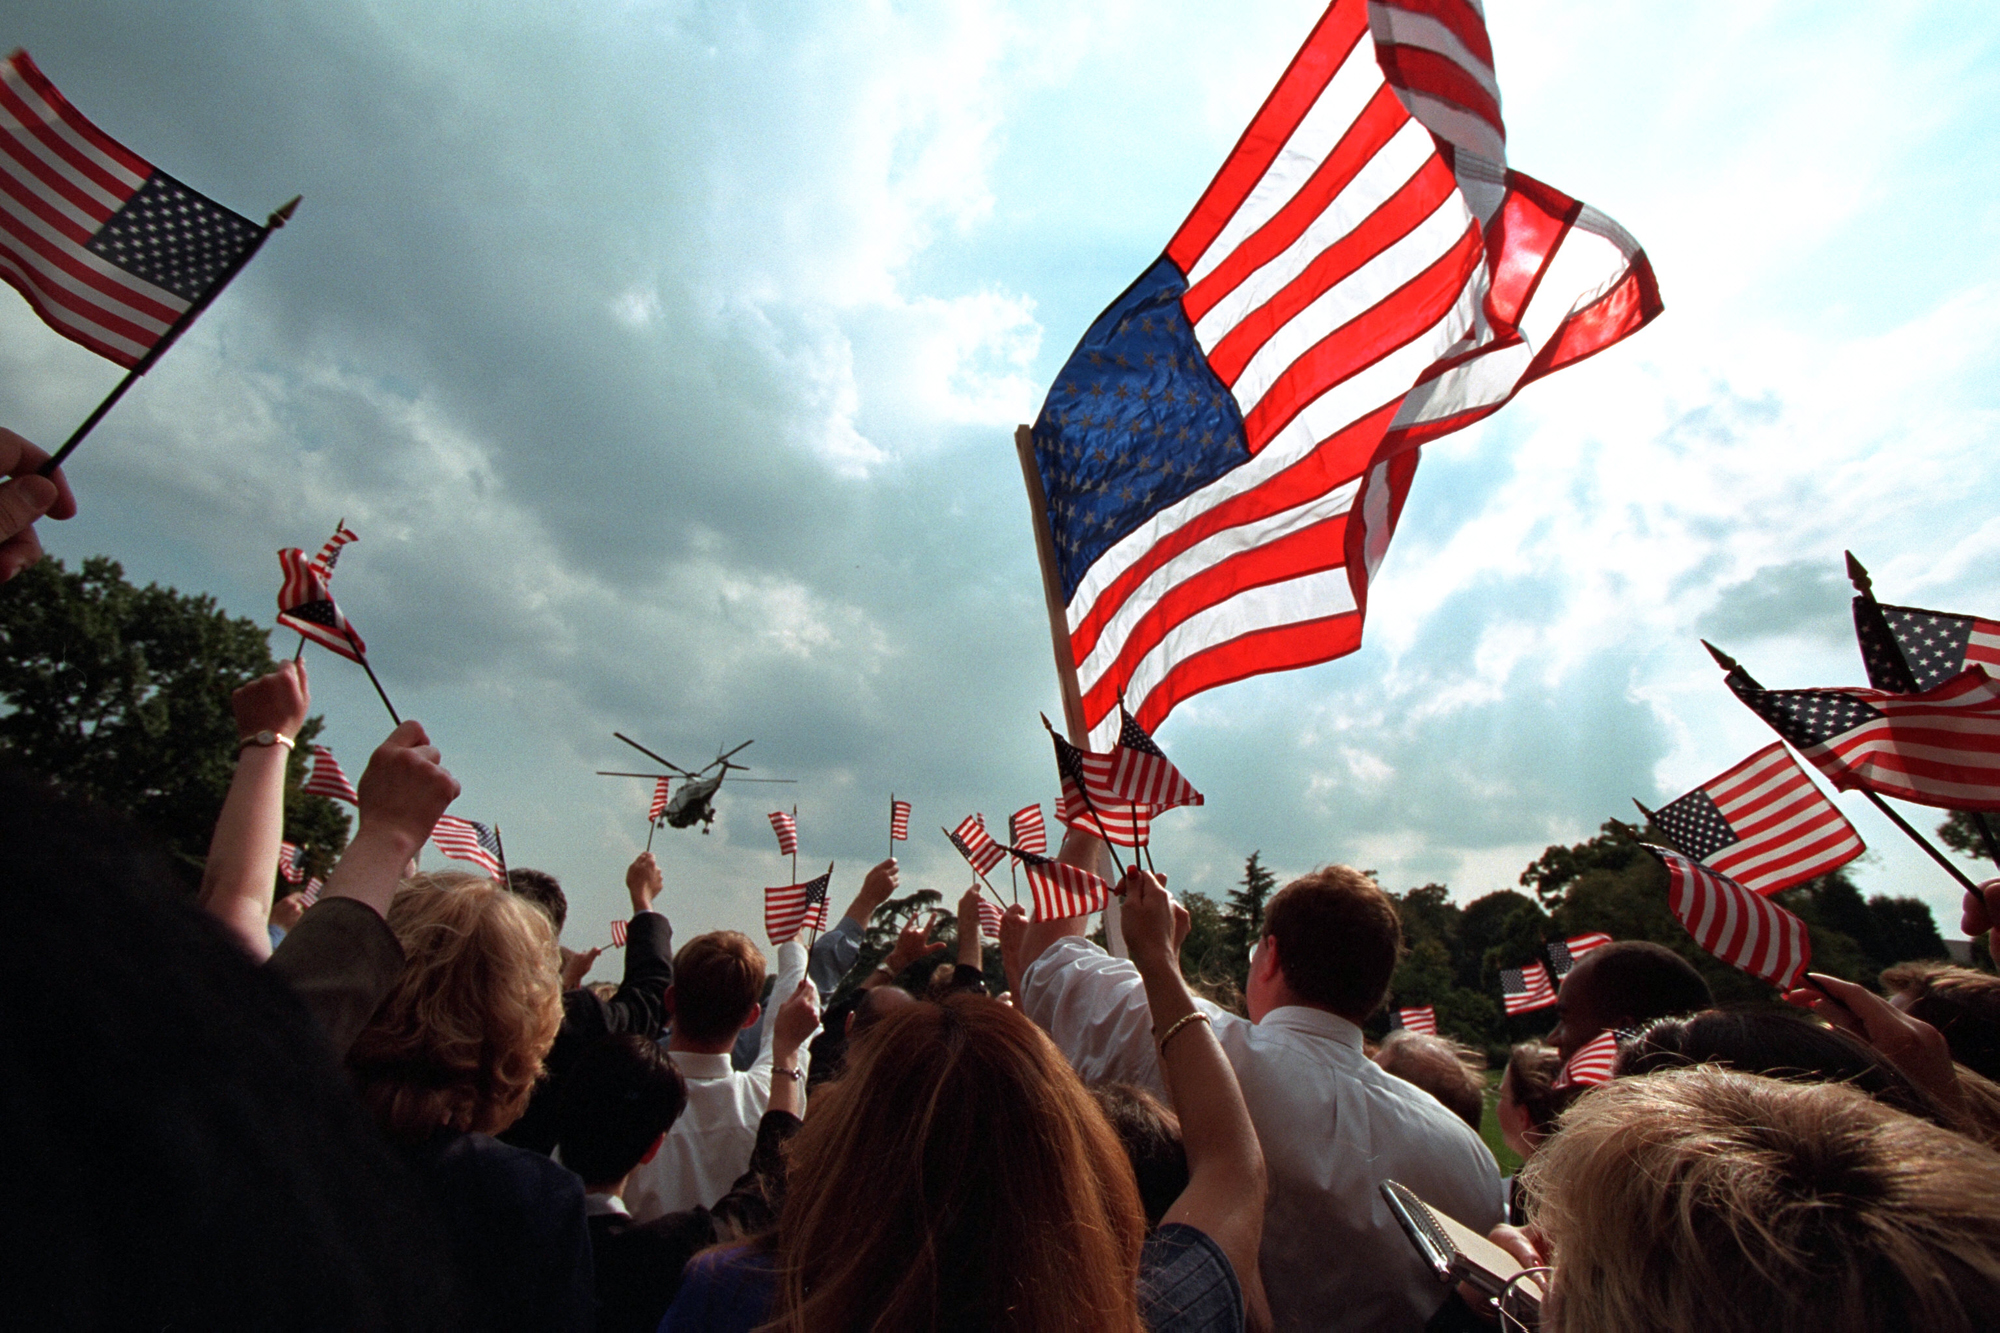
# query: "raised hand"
{"type": "Point", "coordinates": [405, 787]}
{"type": "Point", "coordinates": [643, 881]}
{"type": "Point", "coordinates": [797, 1020]}
{"type": "Point", "coordinates": [1149, 921]}
{"type": "Point", "coordinates": [914, 943]}
{"type": "Point", "coordinates": [1907, 1042]}
{"type": "Point", "coordinates": [576, 966]}
{"type": "Point", "coordinates": [276, 703]}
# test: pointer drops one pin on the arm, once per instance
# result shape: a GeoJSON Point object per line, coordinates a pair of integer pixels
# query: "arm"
{"type": "Point", "coordinates": [242, 867]}
{"type": "Point", "coordinates": [913, 943]}
{"type": "Point", "coordinates": [640, 1004]}
{"type": "Point", "coordinates": [1224, 1197]}
{"type": "Point", "coordinates": [835, 951]}
{"type": "Point", "coordinates": [796, 1021]}
{"type": "Point", "coordinates": [403, 791]}
{"type": "Point", "coordinates": [791, 972]}
{"type": "Point", "coordinates": [25, 498]}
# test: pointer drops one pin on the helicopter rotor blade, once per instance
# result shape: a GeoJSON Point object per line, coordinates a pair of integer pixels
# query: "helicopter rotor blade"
{"type": "Point", "coordinates": [650, 777]}
{"type": "Point", "coordinates": [786, 781]}
{"type": "Point", "coordinates": [650, 755]}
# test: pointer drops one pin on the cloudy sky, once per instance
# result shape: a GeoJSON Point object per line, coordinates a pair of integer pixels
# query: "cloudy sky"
{"type": "Point", "coordinates": [666, 358]}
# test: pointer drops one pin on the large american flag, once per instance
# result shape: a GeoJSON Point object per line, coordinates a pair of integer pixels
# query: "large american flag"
{"type": "Point", "coordinates": [1744, 929]}
{"type": "Point", "coordinates": [1941, 747]}
{"type": "Point", "coordinates": [1526, 988]}
{"type": "Point", "coordinates": [1763, 823]}
{"type": "Point", "coordinates": [899, 820]}
{"type": "Point", "coordinates": [1026, 830]}
{"type": "Point", "coordinates": [1566, 954]}
{"type": "Point", "coordinates": [1088, 801]}
{"type": "Point", "coordinates": [305, 598]}
{"type": "Point", "coordinates": [1908, 650]}
{"type": "Point", "coordinates": [108, 250]}
{"type": "Point", "coordinates": [1142, 773]}
{"type": "Point", "coordinates": [1423, 1018]}
{"type": "Point", "coordinates": [790, 908]}
{"type": "Point", "coordinates": [1062, 890]}
{"type": "Point", "coordinates": [787, 829]}
{"type": "Point", "coordinates": [468, 840]}
{"type": "Point", "coordinates": [324, 778]}
{"type": "Point", "coordinates": [975, 844]}
{"type": "Point", "coordinates": [1226, 453]}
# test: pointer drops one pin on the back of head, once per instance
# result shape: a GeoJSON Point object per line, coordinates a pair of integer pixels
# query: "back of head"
{"type": "Point", "coordinates": [1632, 982]}
{"type": "Point", "coordinates": [1338, 938]}
{"type": "Point", "coordinates": [1702, 1198]}
{"type": "Point", "coordinates": [958, 1174]}
{"type": "Point", "coordinates": [1151, 1133]}
{"type": "Point", "coordinates": [875, 1004]}
{"type": "Point", "coordinates": [543, 890]}
{"type": "Point", "coordinates": [1530, 1081]}
{"type": "Point", "coordinates": [458, 1043]}
{"type": "Point", "coordinates": [1962, 1004]}
{"type": "Point", "coordinates": [619, 1097]}
{"type": "Point", "coordinates": [717, 978]}
{"type": "Point", "coordinates": [1450, 1071]}
{"type": "Point", "coordinates": [185, 1150]}
{"type": "Point", "coordinates": [1776, 1043]}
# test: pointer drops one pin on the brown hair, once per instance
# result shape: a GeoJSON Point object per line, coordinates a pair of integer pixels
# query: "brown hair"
{"type": "Point", "coordinates": [1962, 1004]}
{"type": "Point", "coordinates": [1448, 1070]}
{"type": "Point", "coordinates": [958, 1173]}
{"type": "Point", "coordinates": [1531, 1074]}
{"type": "Point", "coordinates": [459, 1040]}
{"type": "Point", "coordinates": [717, 978]}
{"type": "Point", "coordinates": [1339, 939]}
{"type": "Point", "coordinates": [1702, 1198]}
{"type": "Point", "coordinates": [1151, 1133]}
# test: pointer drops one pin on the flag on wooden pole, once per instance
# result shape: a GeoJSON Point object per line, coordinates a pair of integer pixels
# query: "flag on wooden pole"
{"type": "Point", "coordinates": [1763, 823]}
{"type": "Point", "coordinates": [1422, 1019]}
{"type": "Point", "coordinates": [790, 908]}
{"type": "Point", "coordinates": [787, 828]}
{"type": "Point", "coordinates": [1523, 989]}
{"type": "Point", "coordinates": [1744, 929]}
{"type": "Point", "coordinates": [899, 820]}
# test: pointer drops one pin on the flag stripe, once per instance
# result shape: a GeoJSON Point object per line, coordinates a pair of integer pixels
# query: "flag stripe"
{"type": "Point", "coordinates": [67, 131]}
{"type": "Point", "coordinates": [1742, 928]}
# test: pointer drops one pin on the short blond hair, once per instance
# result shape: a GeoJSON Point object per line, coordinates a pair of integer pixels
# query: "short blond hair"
{"type": "Point", "coordinates": [1702, 1198]}
{"type": "Point", "coordinates": [458, 1043]}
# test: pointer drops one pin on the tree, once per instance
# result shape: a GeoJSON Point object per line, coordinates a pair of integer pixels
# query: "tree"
{"type": "Point", "coordinates": [1615, 847]}
{"type": "Point", "coordinates": [121, 694]}
{"type": "Point", "coordinates": [1961, 833]}
{"type": "Point", "coordinates": [1204, 956]}
{"type": "Point", "coordinates": [1243, 917]}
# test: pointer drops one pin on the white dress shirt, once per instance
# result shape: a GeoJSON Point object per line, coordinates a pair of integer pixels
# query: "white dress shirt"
{"type": "Point", "coordinates": [710, 1145]}
{"type": "Point", "coordinates": [1333, 1127]}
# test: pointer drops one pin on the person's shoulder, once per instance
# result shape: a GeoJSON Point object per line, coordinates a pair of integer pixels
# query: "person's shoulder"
{"type": "Point", "coordinates": [507, 1173]}
{"type": "Point", "coordinates": [723, 1290]}
{"type": "Point", "coordinates": [1187, 1284]}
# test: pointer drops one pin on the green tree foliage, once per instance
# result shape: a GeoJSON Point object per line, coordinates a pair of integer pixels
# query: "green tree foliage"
{"type": "Point", "coordinates": [121, 694]}
{"type": "Point", "coordinates": [1243, 917]}
{"type": "Point", "coordinates": [1204, 957]}
{"type": "Point", "coordinates": [1961, 833]}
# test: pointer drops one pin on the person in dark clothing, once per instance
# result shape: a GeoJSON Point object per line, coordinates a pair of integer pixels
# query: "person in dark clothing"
{"type": "Point", "coordinates": [638, 1007]}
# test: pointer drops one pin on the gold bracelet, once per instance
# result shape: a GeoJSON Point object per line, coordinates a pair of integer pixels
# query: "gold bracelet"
{"type": "Point", "coordinates": [1183, 1021]}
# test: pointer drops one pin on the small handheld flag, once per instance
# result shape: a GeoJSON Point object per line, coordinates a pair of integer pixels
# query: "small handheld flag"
{"type": "Point", "coordinates": [990, 917]}
{"type": "Point", "coordinates": [1743, 929]}
{"type": "Point", "coordinates": [976, 845]}
{"type": "Point", "coordinates": [469, 840]}
{"type": "Point", "coordinates": [324, 778]}
{"type": "Point", "coordinates": [1592, 1064]}
{"type": "Point", "coordinates": [1423, 1019]}
{"type": "Point", "coordinates": [310, 893]}
{"type": "Point", "coordinates": [790, 908]}
{"type": "Point", "coordinates": [1026, 830]}
{"type": "Point", "coordinates": [1523, 989]}
{"type": "Point", "coordinates": [899, 820]}
{"type": "Point", "coordinates": [290, 862]}
{"type": "Point", "coordinates": [305, 602]}
{"type": "Point", "coordinates": [1088, 802]}
{"type": "Point", "coordinates": [617, 934]}
{"type": "Point", "coordinates": [787, 829]}
{"type": "Point", "coordinates": [1566, 954]}
{"type": "Point", "coordinates": [1141, 772]}
{"type": "Point", "coordinates": [1062, 890]}
{"type": "Point", "coordinates": [1763, 823]}
{"type": "Point", "coordinates": [658, 806]}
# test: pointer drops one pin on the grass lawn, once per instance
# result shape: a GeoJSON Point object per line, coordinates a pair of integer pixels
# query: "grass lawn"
{"type": "Point", "coordinates": [1489, 1128]}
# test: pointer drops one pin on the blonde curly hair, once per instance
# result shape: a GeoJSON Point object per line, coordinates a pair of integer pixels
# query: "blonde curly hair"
{"type": "Point", "coordinates": [458, 1043]}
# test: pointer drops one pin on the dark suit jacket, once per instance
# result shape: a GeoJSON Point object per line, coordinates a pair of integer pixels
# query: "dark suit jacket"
{"type": "Point", "coordinates": [639, 1006]}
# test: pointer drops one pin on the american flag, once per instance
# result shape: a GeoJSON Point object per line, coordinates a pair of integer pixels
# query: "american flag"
{"type": "Point", "coordinates": [1526, 988]}
{"type": "Point", "coordinates": [787, 829]}
{"type": "Point", "coordinates": [1084, 773]}
{"type": "Point", "coordinates": [1566, 954]}
{"type": "Point", "coordinates": [791, 908]}
{"type": "Point", "coordinates": [108, 250]}
{"type": "Point", "coordinates": [1941, 747]}
{"type": "Point", "coordinates": [990, 917]}
{"type": "Point", "coordinates": [324, 778]}
{"type": "Point", "coordinates": [305, 598]}
{"type": "Point", "coordinates": [1763, 823]}
{"type": "Point", "coordinates": [310, 893]}
{"type": "Point", "coordinates": [1743, 929]}
{"type": "Point", "coordinates": [617, 934]}
{"type": "Point", "coordinates": [1423, 1019]}
{"type": "Point", "coordinates": [899, 820]}
{"type": "Point", "coordinates": [1225, 455]}
{"type": "Point", "coordinates": [1142, 773]}
{"type": "Point", "coordinates": [1908, 650]}
{"type": "Point", "coordinates": [1592, 1063]}
{"type": "Point", "coordinates": [976, 845]}
{"type": "Point", "coordinates": [659, 802]}
{"type": "Point", "coordinates": [468, 840]}
{"type": "Point", "coordinates": [1062, 890]}
{"type": "Point", "coordinates": [1026, 830]}
{"type": "Point", "coordinates": [291, 862]}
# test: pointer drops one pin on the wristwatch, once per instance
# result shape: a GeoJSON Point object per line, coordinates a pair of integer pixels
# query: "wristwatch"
{"type": "Point", "coordinates": [795, 1075]}
{"type": "Point", "coordinates": [264, 737]}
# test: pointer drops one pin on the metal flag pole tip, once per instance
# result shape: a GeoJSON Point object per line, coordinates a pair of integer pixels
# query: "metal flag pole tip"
{"type": "Point", "coordinates": [1858, 576]}
{"type": "Point", "coordinates": [1722, 659]}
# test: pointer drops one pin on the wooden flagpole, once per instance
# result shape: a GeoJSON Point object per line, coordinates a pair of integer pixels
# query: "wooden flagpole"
{"type": "Point", "coordinates": [172, 335]}
{"type": "Point", "coordinates": [362, 658]}
{"type": "Point", "coordinates": [501, 847]}
{"type": "Point", "coordinates": [977, 872]}
{"type": "Point", "coordinates": [795, 846]}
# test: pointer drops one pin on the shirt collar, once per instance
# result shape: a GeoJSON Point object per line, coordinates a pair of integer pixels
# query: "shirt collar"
{"type": "Point", "coordinates": [694, 1064]}
{"type": "Point", "coordinates": [1313, 1022]}
{"type": "Point", "coordinates": [604, 1205]}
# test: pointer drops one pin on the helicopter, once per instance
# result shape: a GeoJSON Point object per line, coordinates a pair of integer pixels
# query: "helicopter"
{"type": "Point", "coordinates": [695, 800]}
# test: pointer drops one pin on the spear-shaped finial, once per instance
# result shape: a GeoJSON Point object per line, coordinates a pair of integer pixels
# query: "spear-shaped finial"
{"type": "Point", "coordinates": [1722, 659]}
{"type": "Point", "coordinates": [1859, 576]}
{"type": "Point", "coordinates": [284, 214]}
{"type": "Point", "coordinates": [1643, 810]}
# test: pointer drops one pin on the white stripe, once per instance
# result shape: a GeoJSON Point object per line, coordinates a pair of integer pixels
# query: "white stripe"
{"type": "Point", "coordinates": [1350, 298]}
{"type": "Point", "coordinates": [40, 188]}
{"type": "Point", "coordinates": [62, 317]}
{"type": "Point", "coordinates": [81, 146]}
{"type": "Point", "coordinates": [1195, 561]}
{"type": "Point", "coordinates": [1469, 133]}
{"type": "Point", "coordinates": [1331, 115]}
{"type": "Point", "coordinates": [1402, 157]}
{"type": "Point", "coordinates": [1403, 27]}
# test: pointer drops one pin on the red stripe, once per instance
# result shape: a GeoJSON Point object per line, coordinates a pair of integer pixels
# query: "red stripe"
{"type": "Point", "coordinates": [56, 257]}
{"type": "Point", "coordinates": [1280, 648]}
{"type": "Point", "coordinates": [81, 164]}
{"type": "Point", "coordinates": [1310, 550]}
{"type": "Point", "coordinates": [1463, 20]}
{"type": "Point", "coordinates": [1424, 71]}
{"type": "Point", "coordinates": [1375, 126]}
{"type": "Point", "coordinates": [1333, 38]}
{"type": "Point", "coordinates": [1332, 464]}
{"type": "Point", "coordinates": [24, 163]}
{"type": "Point", "coordinates": [1619, 313]}
{"type": "Point", "coordinates": [14, 277]}
{"type": "Point", "coordinates": [31, 74]}
{"type": "Point", "coordinates": [1400, 214]}
{"type": "Point", "coordinates": [1390, 324]}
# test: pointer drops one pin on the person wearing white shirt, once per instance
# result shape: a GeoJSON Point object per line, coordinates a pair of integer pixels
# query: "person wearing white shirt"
{"type": "Point", "coordinates": [1333, 1126]}
{"type": "Point", "coordinates": [717, 979]}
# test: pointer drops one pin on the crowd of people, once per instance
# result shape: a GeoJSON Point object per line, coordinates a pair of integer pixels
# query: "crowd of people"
{"type": "Point", "coordinates": [396, 1108]}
